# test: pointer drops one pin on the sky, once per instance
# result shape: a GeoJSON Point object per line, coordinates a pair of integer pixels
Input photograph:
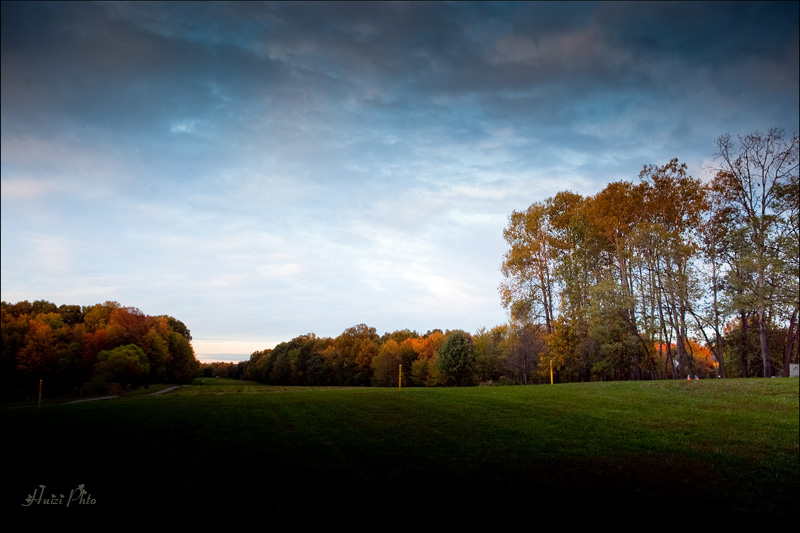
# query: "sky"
{"type": "Point", "coordinates": [265, 170]}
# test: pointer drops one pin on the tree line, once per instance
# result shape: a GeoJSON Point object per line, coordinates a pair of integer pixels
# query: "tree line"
{"type": "Point", "coordinates": [360, 357]}
{"type": "Point", "coordinates": [507, 354]}
{"type": "Point", "coordinates": [621, 282]}
{"type": "Point", "coordinates": [100, 347]}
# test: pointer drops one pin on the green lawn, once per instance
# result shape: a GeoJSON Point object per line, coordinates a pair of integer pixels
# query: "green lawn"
{"type": "Point", "coordinates": [231, 455]}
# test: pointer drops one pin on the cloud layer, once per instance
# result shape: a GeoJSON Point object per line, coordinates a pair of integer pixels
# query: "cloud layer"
{"type": "Point", "coordinates": [262, 170]}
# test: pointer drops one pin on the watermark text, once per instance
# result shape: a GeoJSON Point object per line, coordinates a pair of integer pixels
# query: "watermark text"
{"type": "Point", "coordinates": [77, 496]}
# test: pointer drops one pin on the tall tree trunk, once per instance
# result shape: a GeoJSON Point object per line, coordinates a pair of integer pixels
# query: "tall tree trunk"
{"type": "Point", "coordinates": [681, 346]}
{"type": "Point", "coordinates": [547, 300]}
{"type": "Point", "coordinates": [745, 373]}
{"type": "Point", "coordinates": [791, 338]}
{"type": "Point", "coordinates": [720, 354]}
{"type": "Point", "coordinates": [669, 368]}
{"type": "Point", "coordinates": [763, 335]}
{"type": "Point", "coordinates": [679, 339]}
{"type": "Point", "coordinates": [721, 373]}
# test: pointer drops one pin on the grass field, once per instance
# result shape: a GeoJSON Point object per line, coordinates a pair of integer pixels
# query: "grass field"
{"type": "Point", "coordinates": [239, 456]}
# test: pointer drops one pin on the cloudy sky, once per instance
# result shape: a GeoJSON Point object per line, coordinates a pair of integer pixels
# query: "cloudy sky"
{"type": "Point", "coordinates": [261, 171]}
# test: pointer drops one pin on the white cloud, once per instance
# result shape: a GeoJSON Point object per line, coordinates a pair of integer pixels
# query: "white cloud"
{"type": "Point", "coordinates": [184, 126]}
{"type": "Point", "coordinates": [16, 188]}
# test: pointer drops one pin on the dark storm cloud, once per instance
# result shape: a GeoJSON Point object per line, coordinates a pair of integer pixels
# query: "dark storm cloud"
{"type": "Point", "coordinates": [401, 62]}
{"type": "Point", "coordinates": [74, 62]}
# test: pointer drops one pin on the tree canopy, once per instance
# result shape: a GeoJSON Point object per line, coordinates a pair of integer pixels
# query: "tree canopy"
{"type": "Point", "coordinates": [70, 345]}
{"type": "Point", "coordinates": [623, 280]}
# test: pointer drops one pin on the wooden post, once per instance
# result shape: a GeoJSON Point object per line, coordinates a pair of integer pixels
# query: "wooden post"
{"type": "Point", "coordinates": [400, 379]}
{"type": "Point", "coordinates": [551, 371]}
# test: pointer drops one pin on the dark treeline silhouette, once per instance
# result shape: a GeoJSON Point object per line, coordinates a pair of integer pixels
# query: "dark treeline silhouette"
{"type": "Point", "coordinates": [223, 370]}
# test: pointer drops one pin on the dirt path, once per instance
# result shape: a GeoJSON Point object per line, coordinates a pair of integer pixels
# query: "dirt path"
{"type": "Point", "coordinates": [162, 391]}
{"type": "Point", "coordinates": [168, 389]}
{"type": "Point", "coordinates": [91, 399]}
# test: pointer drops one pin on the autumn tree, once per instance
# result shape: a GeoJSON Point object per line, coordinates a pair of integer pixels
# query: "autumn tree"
{"type": "Point", "coordinates": [570, 234]}
{"type": "Point", "coordinates": [424, 370]}
{"type": "Point", "coordinates": [156, 344]}
{"type": "Point", "coordinates": [355, 349]}
{"type": "Point", "coordinates": [637, 268]}
{"type": "Point", "coordinates": [38, 357]}
{"type": "Point", "coordinates": [754, 174]}
{"type": "Point", "coordinates": [564, 351]}
{"type": "Point", "coordinates": [61, 344]}
{"type": "Point", "coordinates": [674, 204]}
{"type": "Point", "coordinates": [14, 323]}
{"type": "Point", "coordinates": [527, 267]}
{"type": "Point", "coordinates": [183, 363]}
